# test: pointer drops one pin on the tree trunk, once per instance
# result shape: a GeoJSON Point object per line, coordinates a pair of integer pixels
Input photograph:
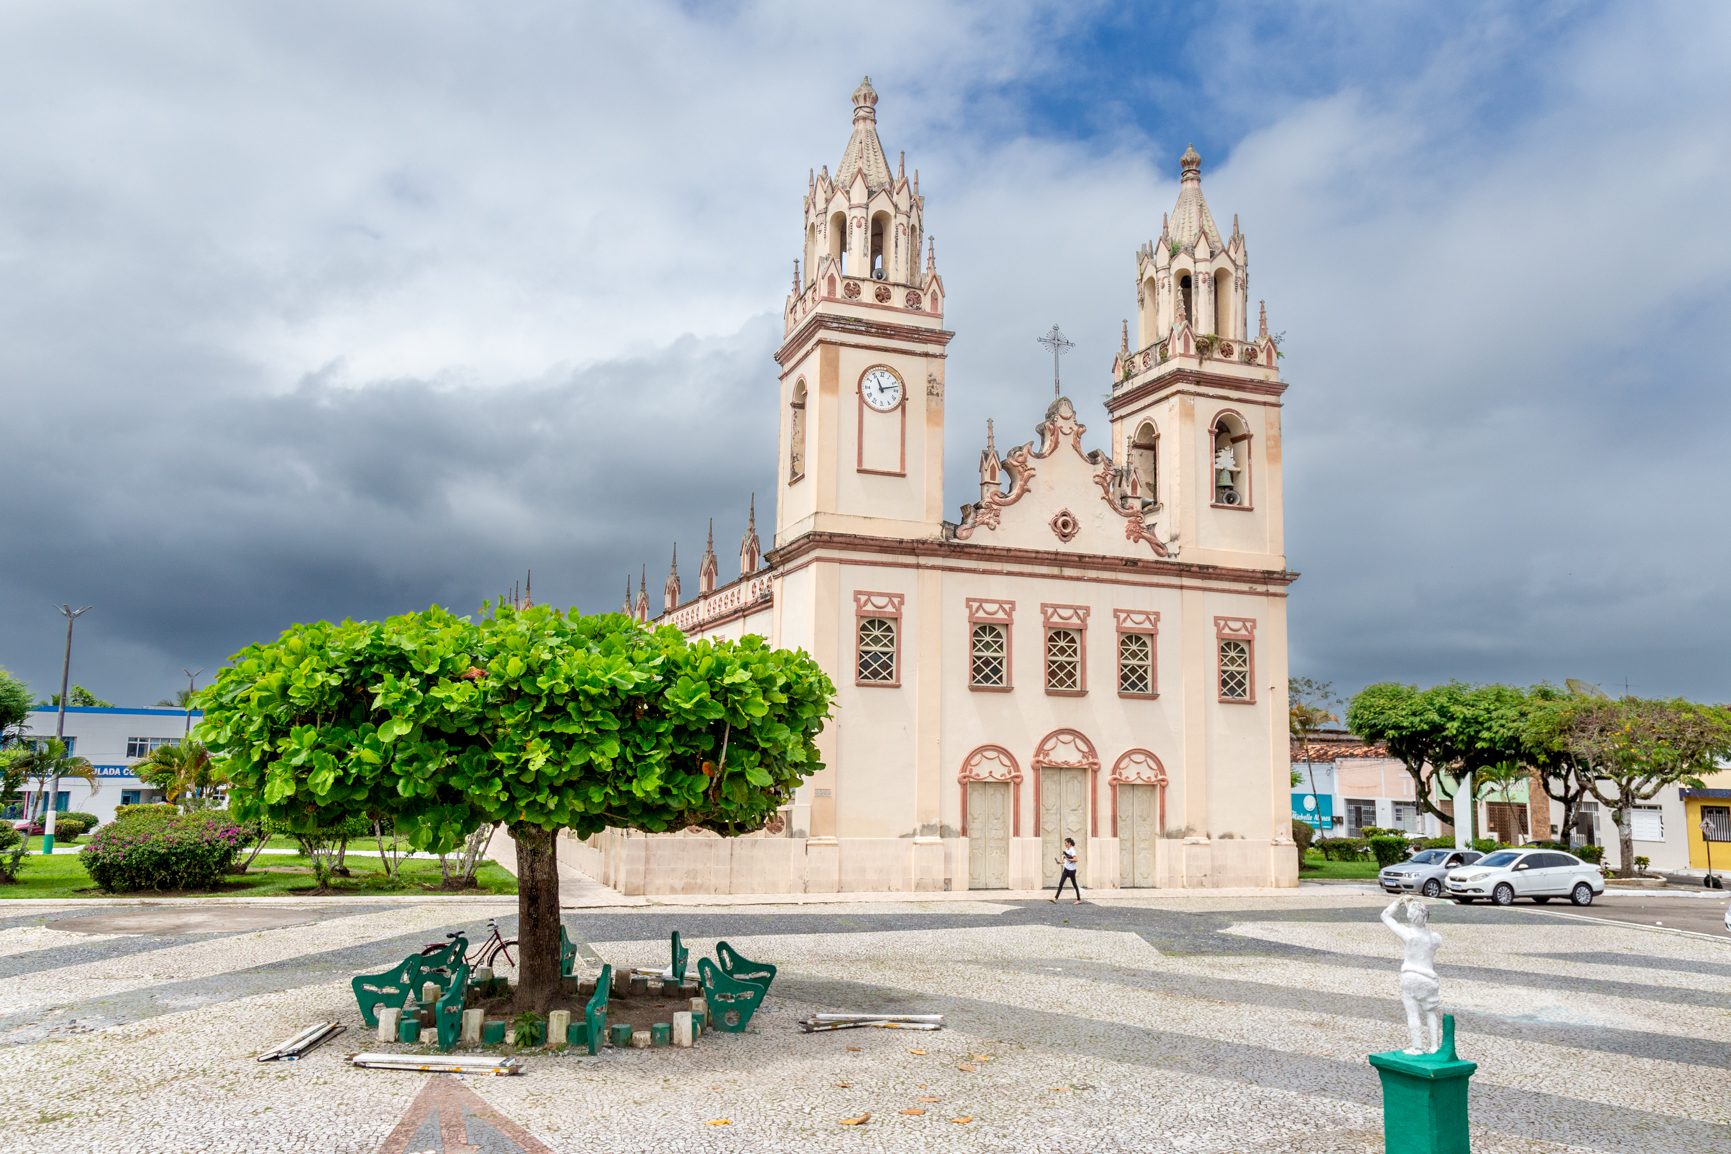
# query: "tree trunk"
{"type": "Point", "coordinates": [537, 917]}
{"type": "Point", "coordinates": [1625, 842]}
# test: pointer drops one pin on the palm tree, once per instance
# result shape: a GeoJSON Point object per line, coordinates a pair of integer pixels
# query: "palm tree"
{"type": "Point", "coordinates": [183, 772]}
{"type": "Point", "coordinates": [49, 760]}
{"type": "Point", "coordinates": [182, 699]}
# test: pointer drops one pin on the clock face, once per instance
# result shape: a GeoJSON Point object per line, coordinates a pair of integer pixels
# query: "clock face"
{"type": "Point", "coordinates": [881, 389]}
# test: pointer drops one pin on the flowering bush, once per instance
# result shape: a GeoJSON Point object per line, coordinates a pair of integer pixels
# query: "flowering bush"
{"type": "Point", "coordinates": [150, 852]}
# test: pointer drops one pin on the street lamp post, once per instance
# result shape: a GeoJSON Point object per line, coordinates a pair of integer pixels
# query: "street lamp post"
{"type": "Point", "coordinates": [191, 681]}
{"type": "Point", "coordinates": [71, 615]}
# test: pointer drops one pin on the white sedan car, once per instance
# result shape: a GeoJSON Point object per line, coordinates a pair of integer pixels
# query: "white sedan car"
{"type": "Point", "coordinates": [1540, 874]}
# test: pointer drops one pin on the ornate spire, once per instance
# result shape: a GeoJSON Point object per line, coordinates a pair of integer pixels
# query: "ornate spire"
{"type": "Point", "coordinates": [931, 254]}
{"type": "Point", "coordinates": [709, 567]}
{"type": "Point", "coordinates": [626, 608]}
{"type": "Point", "coordinates": [670, 591]}
{"type": "Point", "coordinates": [991, 468]}
{"type": "Point", "coordinates": [643, 595]}
{"type": "Point", "coordinates": [1124, 337]}
{"type": "Point", "coordinates": [1190, 216]}
{"type": "Point", "coordinates": [1262, 320]}
{"type": "Point", "coordinates": [796, 276]}
{"type": "Point", "coordinates": [750, 548]}
{"type": "Point", "coordinates": [528, 586]}
{"type": "Point", "coordinates": [865, 152]}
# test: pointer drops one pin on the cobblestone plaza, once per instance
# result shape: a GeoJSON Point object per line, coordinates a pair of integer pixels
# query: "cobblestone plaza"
{"type": "Point", "coordinates": [1155, 1023]}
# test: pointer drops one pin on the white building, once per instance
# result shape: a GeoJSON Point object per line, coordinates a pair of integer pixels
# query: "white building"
{"type": "Point", "coordinates": [113, 740]}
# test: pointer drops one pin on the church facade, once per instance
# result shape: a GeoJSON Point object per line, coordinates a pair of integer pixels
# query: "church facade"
{"type": "Point", "coordinates": [1094, 649]}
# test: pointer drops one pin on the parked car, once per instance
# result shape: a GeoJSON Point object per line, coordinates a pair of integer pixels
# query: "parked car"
{"type": "Point", "coordinates": [1540, 874]}
{"type": "Point", "coordinates": [1424, 871]}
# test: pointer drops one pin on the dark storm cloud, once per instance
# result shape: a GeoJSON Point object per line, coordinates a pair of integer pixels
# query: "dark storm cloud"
{"type": "Point", "coordinates": [317, 311]}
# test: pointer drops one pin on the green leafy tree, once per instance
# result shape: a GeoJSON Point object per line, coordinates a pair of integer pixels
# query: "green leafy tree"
{"type": "Point", "coordinates": [15, 703]}
{"type": "Point", "coordinates": [1307, 711]}
{"type": "Point", "coordinates": [1563, 773]}
{"type": "Point", "coordinates": [78, 697]}
{"type": "Point", "coordinates": [182, 699]}
{"type": "Point", "coordinates": [1631, 749]}
{"type": "Point", "coordinates": [1445, 732]}
{"type": "Point", "coordinates": [533, 718]}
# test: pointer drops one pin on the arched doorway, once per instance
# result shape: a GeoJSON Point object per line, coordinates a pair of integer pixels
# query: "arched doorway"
{"type": "Point", "coordinates": [991, 814]}
{"type": "Point", "coordinates": [1138, 785]}
{"type": "Point", "coordinates": [1065, 766]}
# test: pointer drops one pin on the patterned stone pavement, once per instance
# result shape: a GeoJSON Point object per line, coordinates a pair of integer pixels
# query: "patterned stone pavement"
{"type": "Point", "coordinates": [1177, 1022]}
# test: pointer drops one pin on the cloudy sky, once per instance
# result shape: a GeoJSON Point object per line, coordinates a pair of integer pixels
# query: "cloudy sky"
{"type": "Point", "coordinates": [334, 309]}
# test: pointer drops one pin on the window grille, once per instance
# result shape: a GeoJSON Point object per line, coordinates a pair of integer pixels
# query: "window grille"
{"type": "Point", "coordinates": [1234, 670]}
{"type": "Point", "coordinates": [988, 665]}
{"type": "Point", "coordinates": [1135, 663]}
{"type": "Point", "coordinates": [142, 746]}
{"type": "Point", "coordinates": [877, 649]}
{"type": "Point", "coordinates": [1063, 659]}
{"type": "Point", "coordinates": [1718, 821]}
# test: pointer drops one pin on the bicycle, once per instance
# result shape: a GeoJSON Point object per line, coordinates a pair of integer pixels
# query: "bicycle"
{"type": "Point", "coordinates": [483, 955]}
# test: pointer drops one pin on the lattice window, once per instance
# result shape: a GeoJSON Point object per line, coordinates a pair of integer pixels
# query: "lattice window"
{"type": "Point", "coordinates": [877, 649]}
{"type": "Point", "coordinates": [989, 664]}
{"type": "Point", "coordinates": [1063, 659]}
{"type": "Point", "coordinates": [1135, 663]}
{"type": "Point", "coordinates": [1234, 670]}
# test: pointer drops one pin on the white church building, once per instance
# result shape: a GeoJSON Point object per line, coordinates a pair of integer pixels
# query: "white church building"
{"type": "Point", "coordinates": [1094, 649]}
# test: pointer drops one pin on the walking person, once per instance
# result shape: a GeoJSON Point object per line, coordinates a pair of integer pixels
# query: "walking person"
{"type": "Point", "coordinates": [1068, 860]}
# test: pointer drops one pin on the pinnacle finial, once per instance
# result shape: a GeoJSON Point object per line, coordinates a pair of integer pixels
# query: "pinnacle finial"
{"type": "Point", "coordinates": [676, 556]}
{"type": "Point", "coordinates": [931, 253]}
{"type": "Point", "coordinates": [1190, 164]}
{"type": "Point", "coordinates": [643, 581]}
{"type": "Point", "coordinates": [902, 165]}
{"type": "Point", "coordinates": [711, 544]}
{"type": "Point", "coordinates": [528, 588]}
{"type": "Point", "coordinates": [1124, 339]}
{"type": "Point", "coordinates": [1262, 320]}
{"type": "Point", "coordinates": [991, 437]}
{"type": "Point", "coordinates": [865, 99]}
{"type": "Point", "coordinates": [751, 513]}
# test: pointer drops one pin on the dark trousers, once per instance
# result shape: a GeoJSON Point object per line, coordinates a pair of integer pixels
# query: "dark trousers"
{"type": "Point", "coordinates": [1068, 876]}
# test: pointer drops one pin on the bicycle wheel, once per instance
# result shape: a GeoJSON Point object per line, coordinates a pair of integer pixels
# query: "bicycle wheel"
{"type": "Point", "coordinates": [500, 946]}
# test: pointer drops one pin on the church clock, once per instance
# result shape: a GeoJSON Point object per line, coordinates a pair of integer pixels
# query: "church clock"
{"type": "Point", "coordinates": [881, 389]}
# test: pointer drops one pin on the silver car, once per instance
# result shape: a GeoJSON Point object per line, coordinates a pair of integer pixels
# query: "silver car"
{"type": "Point", "coordinates": [1540, 874]}
{"type": "Point", "coordinates": [1424, 871]}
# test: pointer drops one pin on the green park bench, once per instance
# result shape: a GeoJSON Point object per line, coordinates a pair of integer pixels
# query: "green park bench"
{"type": "Point", "coordinates": [448, 1010]}
{"type": "Point", "coordinates": [394, 987]}
{"type": "Point", "coordinates": [681, 955]}
{"type": "Point", "coordinates": [731, 1001]}
{"type": "Point", "coordinates": [592, 1030]}
{"type": "Point", "coordinates": [567, 953]}
{"type": "Point", "coordinates": [742, 969]}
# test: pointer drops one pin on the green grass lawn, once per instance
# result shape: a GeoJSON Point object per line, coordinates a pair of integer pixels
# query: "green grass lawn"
{"type": "Point", "coordinates": [1317, 866]}
{"type": "Point", "coordinates": [61, 875]}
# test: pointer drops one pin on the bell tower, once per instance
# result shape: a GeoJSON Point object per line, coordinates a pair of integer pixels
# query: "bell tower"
{"type": "Point", "coordinates": [862, 357]}
{"type": "Point", "coordinates": [1195, 401]}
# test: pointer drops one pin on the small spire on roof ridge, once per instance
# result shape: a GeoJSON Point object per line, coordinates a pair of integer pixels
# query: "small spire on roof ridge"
{"type": "Point", "coordinates": [1165, 225]}
{"type": "Point", "coordinates": [528, 589]}
{"type": "Point", "coordinates": [1124, 339]}
{"type": "Point", "coordinates": [1235, 231]}
{"type": "Point", "coordinates": [902, 165]}
{"type": "Point", "coordinates": [796, 276]}
{"type": "Point", "coordinates": [643, 581]}
{"type": "Point", "coordinates": [916, 182]}
{"type": "Point", "coordinates": [751, 514]}
{"type": "Point", "coordinates": [931, 253]}
{"type": "Point", "coordinates": [676, 556]}
{"type": "Point", "coordinates": [711, 545]}
{"type": "Point", "coordinates": [1262, 320]}
{"type": "Point", "coordinates": [991, 437]}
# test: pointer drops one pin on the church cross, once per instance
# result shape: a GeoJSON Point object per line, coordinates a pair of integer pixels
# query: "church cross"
{"type": "Point", "coordinates": [1059, 344]}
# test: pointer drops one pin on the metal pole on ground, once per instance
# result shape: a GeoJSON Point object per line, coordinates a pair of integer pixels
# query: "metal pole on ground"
{"type": "Point", "coordinates": [60, 725]}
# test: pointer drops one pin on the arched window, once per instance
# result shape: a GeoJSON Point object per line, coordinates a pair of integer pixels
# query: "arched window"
{"type": "Point", "coordinates": [988, 660]}
{"type": "Point", "coordinates": [796, 433]}
{"type": "Point", "coordinates": [879, 240]}
{"type": "Point", "coordinates": [1148, 302]}
{"type": "Point", "coordinates": [838, 238]}
{"type": "Point", "coordinates": [1223, 302]}
{"type": "Point", "coordinates": [1144, 459]}
{"type": "Point", "coordinates": [1230, 461]}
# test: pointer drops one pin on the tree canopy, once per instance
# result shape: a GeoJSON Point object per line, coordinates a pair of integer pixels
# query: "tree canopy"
{"type": "Point", "coordinates": [15, 702]}
{"type": "Point", "coordinates": [535, 718]}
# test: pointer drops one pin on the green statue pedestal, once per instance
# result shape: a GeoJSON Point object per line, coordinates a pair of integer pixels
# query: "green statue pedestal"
{"type": "Point", "coordinates": [1424, 1098]}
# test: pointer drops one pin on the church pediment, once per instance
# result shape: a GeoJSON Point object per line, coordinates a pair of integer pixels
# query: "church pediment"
{"type": "Point", "coordinates": [1052, 494]}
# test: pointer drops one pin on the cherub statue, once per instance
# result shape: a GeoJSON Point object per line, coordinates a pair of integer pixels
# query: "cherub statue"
{"type": "Point", "coordinates": [1420, 991]}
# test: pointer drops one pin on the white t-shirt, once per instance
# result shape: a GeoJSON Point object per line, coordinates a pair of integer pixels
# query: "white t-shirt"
{"type": "Point", "coordinates": [1069, 857]}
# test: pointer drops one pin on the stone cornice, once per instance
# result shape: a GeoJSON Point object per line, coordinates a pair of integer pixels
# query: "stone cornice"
{"type": "Point", "coordinates": [1193, 380]}
{"type": "Point", "coordinates": [939, 549]}
{"type": "Point", "coordinates": [849, 326]}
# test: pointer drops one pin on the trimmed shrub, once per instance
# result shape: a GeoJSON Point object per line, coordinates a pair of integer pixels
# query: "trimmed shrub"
{"type": "Point", "coordinates": [90, 820]}
{"type": "Point", "coordinates": [13, 849]}
{"type": "Point", "coordinates": [1592, 854]}
{"type": "Point", "coordinates": [69, 828]}
{"type": "Point", "coordinates": [1436, 843]}
{"type": "Point", "coordinates": [163, 852]}
{"type": "Point", "coordinates": [1486, 844]}
{"type": "Point", "coordinates": [1341, 848]}
{"type": "Point", "coordinates": [1388, 848]}
{"type": "Point", "coordinates": [1303, 833]}
{"type": "Point", "coordinates": [148, 809]}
